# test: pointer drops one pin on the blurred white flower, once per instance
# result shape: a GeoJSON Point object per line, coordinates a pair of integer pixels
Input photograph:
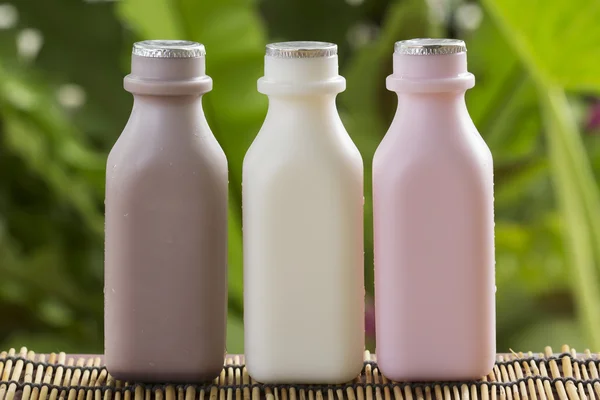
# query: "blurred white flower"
{"type": "Point", "coordinates": [361, 34]}
{"type": "Point", "coordinates": [71, 95]}
{"type": "Point", "coordinates": [8, 16]}
{"type": "Point", "coordinates": [355, 3]}
{"type": "Point", "coordinates": [29, 43]}
{"type": "Point", "coordinates": [468, 16]}
{"type": "Point", "coordinates": [439, 10]}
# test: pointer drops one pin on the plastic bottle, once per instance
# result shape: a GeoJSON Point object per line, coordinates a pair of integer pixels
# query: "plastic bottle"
{"type": "Point", "coordinates": [433, 223]}
{"type": "Point", "coordinates": [166, 225]}
{"type": "Point", "coordinates": [303, 226]}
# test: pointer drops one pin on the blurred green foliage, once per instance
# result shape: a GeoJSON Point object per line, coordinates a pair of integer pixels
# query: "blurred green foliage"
{"type": "Point", "coordinates": [62, 106]}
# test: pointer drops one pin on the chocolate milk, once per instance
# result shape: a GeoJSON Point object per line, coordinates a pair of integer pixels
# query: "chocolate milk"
{"type": "Point", "coordinates": [166, 225]}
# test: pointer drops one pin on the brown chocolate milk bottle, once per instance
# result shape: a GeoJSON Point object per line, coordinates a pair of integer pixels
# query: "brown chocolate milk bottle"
{"type": "Point", "coordinates": [166, 225]}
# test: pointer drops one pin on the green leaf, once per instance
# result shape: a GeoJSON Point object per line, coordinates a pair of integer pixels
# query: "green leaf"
{"type": "Point", "coordinates": [152, 19]}
{"type": "Point", "coordinates": [572, 188]}
{"type": "Point", "coordinates": [25, 139]}
{"type": "Point", "coordinates": [558, 40]}
{"type": "Point", "coordinates": [41, 134]}
{"type": "Point", "coordinates": [504, 107]}
{"type": "Point", "coordinates": [503, 104]}
{"type": "Point", "coordinates": [90, 58]}
{"type": "Point", "coordinates": [564, 31]}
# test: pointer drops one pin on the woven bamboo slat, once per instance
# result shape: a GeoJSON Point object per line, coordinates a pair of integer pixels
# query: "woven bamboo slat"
{"type": "Point", "coordinates": [26, 375]}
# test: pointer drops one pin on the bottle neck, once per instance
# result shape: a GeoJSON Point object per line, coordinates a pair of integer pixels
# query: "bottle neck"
{"type": "Point", "coordinates": [170, 114]}
{"type": "Point", "coordinates": [442, 102]}
{"type": "Point", "coordinates": [167, 76]}
{"type": "Point", "coordinates": [430, 74]}
{"type": "Point", "coordinates": [183, 102]}
{"type": "Point", "coordinates": [301, 89]}
{"type": "Point", "coordinates": [311, 106]}
{"type": "Point", "coordinates": [301, 77]}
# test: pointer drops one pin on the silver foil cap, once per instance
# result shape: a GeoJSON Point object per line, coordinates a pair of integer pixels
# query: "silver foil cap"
{"type": "Point", "coordinates": [301, 50]}
{"type": "Point", "coordinates": [168, 49]}
{"type": "Point", "coordinates": [429, 47]}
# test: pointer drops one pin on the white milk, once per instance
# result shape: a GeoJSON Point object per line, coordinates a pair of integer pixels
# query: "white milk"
{"type": "Point", "coordinates": [303, 226]}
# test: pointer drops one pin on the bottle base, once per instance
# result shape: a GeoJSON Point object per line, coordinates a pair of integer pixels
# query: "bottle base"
{"type": "Point", "coordinates": [437, 370]}
{"type": "Point", "coordinates": [311, 376]}
{"type": "Point", "coordinates": [155, 375]}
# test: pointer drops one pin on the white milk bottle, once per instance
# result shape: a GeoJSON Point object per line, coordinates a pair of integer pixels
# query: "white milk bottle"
{"type": "Point", "coordinates": [303, 226]}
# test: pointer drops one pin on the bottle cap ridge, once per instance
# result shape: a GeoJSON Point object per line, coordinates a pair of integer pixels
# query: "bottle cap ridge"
{"type": "Point", "coordinates": [429, 47]}
{"type": "Point", "coordinates": [301, 50]}
{"type": "Point", "coordinates": [168, 49]}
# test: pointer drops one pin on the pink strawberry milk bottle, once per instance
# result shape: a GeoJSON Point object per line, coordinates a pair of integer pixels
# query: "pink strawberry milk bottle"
{"type": "Point", "coordinates": [433, 223]}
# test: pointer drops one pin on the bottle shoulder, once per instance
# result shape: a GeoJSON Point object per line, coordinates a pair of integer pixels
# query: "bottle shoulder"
{"type": "Point", "coordinates": [140, 154]}
{"type": "Point", "coordinates": [419, 141]}
{"type": "Point", "coordinates": [301, 169]}
{"type": "Point", "coordinates": [302, 137]}
{"type": "Point", "coordinates": [319, 155]}
{"type": "Point", "coordinates": [436, 182]}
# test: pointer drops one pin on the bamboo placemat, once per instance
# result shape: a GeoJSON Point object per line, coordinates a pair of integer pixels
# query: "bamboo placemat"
{"type": "Point", "coordinates": [517, 376]}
